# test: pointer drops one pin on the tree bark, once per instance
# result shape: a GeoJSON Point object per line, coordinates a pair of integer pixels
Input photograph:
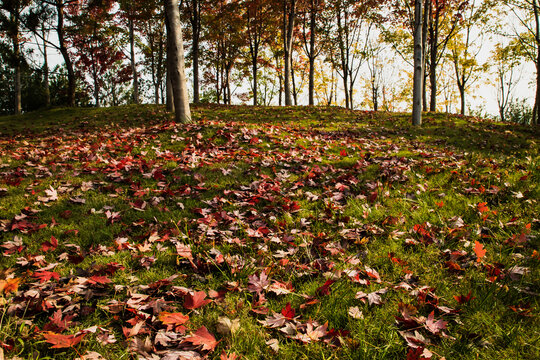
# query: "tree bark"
{"type": "Point", "coordinates": [169, 65]}
{"type": "Point", "coordinates": [176, 55]}
{"type": "Point", "coordinates": [536, 111]}
{"type": "Point", "coordinates": [196, 29]}
{"type": "Point", "coordinates": [418, 64]}
{"type": "Point", "coordinates": [64, 51]}
{"type": "Point", "coordinates": [289, 14]}
{"type": "Point", "coordinates": [46, 73]}
{"type": "Point", "coordinates": [133, 61]}
{"type": "Point", "coordinates": [434, 36]}
{"type": "Point", "coordinates": [312, 29]}
{"type": "Point", "coordinates": [425, 26]}
{"type": "Point", "coordinates": [462, 98]}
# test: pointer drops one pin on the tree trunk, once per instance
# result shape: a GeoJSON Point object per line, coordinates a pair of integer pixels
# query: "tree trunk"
{"type": "Point", "coordinates": [536, 110]}
{"type": "Point", "coordinates": [254, 71]}
{"type": "Point", "coordinates": [46, 70]}
{"type": "Point", "coordinates": [536, 117]}
{"type": "Point", "coordinates": [425, 26]}
{"type": "Point", "coordinates": [434, 36]}
{"type": "Point", "coordinates": [176, 55]}
{"type": "Point", "coordinates": [312, 29]}
{"type": "Point", "coordinates": [196, 29]}
{"type": "Point", "coordinates": [169, 90]}
{"type": "Point", "coordinates": [462, 96]}
{"type": "Point", "coordinates": [17, 68]}
{"type": "Point", "coordinates": [289, 13]}
{"type": "Point", "coordinates": [159, 72]}
{"type": "Point", "coordinates": [418, 64]}
{"type": "Point", "coordinates": [64, 51]}
{"type": "Point", "coordinates": [133, 62]}
{"type": "Point", "coordinates": [293, 81]}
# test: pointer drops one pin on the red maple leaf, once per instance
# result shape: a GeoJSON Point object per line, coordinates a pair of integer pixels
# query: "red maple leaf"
{"type": "Point", "coordinates": [463, 299]}
{"type": "Point", "coordinates": [325, 289]}
{"type": "Point", "coordinates": [60, 341]}
{"type": "Point", "coordinates": [288, 312]}
{"type": "Point", "coordinates": [49, 245]}
{"type": "Point", "coordinates": [46, 276]}
{"type": "Point", "coordinates": [99, 280]}
{"type": "Point", "coordinates": [196, 300]}
{"type": "Point", "coordinates": [479, 251]}
{"type": "Point", "coordinates": [204, 338]}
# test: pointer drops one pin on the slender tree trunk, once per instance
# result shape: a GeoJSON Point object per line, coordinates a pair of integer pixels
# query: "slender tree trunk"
{"type": "Point", "coordinates": [289, 13]}
{"type": "Point", "coordinates": [312, 29]}
{"type": "Point", "coordinates": [425, 26]}
{"type": "Point", "coordinates": [254, 72]}
{"type": "Point", "coordinates": [196, 29]}
{"type": "Point", "coordinates": [176, 55]}
{"type": "Point", "coordinates": [64, 51]}
{"type": "Point", "coordinates": [46, 74]}
{"type": "Point", "coordinates": [434, 36]}
{"type": "Point", "coordinates": [169, 89]}
{"type": "Point", "coordinates": [17, 67]}
{"type": "Point", "coordinates": [462, 96]}
{"type": "Point", "coordinates": [293, 81]}
{"type": "Point", "coordinates": [418, 63]}
{"type": "Point", "coordinates": [536, 112]}
{"type": "Point", "coordinates": [159, 73]}
{"type": "Point", "coordinates": [133, 61]}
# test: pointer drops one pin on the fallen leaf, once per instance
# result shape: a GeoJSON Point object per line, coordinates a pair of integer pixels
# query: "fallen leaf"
{"type": "Point", "coordinates": [204, 338]}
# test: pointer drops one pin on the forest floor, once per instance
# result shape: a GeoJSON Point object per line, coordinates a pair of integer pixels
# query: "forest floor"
{"type": "Point", "coordinates": [264, 233]}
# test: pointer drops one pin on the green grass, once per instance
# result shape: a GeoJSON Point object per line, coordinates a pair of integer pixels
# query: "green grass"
{"type": "Point", "coordinates": [331, 191]}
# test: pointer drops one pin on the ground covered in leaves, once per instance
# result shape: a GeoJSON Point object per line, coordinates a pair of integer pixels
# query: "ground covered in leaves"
{"type": "Point", "coordinates": [263, 233]}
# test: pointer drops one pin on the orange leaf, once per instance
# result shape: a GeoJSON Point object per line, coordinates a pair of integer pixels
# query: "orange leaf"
{"type": "Point", "coordinates": [9, 285]}
{"type": "Point", "coordinates": [204, 338]}
{"type": "Point", "coordinates": [479, 251]}
{"type": "Point", "coordinates": [60, 341]}
{"type": "Point", "coordinates": [173, 318]}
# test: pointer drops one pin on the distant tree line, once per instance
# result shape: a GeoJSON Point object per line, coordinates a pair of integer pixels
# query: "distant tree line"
{"type": "Point", "coordinates": [358, 54]}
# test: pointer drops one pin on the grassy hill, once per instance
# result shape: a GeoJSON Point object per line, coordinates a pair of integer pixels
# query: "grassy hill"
{"type": "Point", "coordinates": [288, 233]}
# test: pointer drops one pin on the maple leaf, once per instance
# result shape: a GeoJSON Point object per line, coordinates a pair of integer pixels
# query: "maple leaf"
{"type": "Point", "coordinates": [173, 318]}
{"type": "Point", "coordinates": [463, 299]}
{"type": "Point", "coordinates": [44, 275]}
{"type": "Point", "coordinates": [49, 245]}
{"type": "Point", "coordinates": [204, 338]}
{"type": "Point", "coordinates": [196, 300]}
{"type": "Point", "coordinates": [57, 323]}
{"type": "Point", "coordinates": [325, 289]}
{"type": "Point", "coordinates": [355, 312]}
{"type": "Point", "coordinates": [257, 284]}
{"type": "Point", "coordinates": [98, 280]}
{"type": "Point", "coordinates": [9, 285]}
{"type": "Point", "coordinates": [288, 312]}
{"type": "Point", "coordinates": [60, 341]}
{"type": "Point", "coordinates": [479, 251]}
{"type": "Point", "coordinates": [433, 326]}
{"type": "Point", "coordinates": [274, 321]}
{"type": "Point", "coordinates": [231, 356]}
